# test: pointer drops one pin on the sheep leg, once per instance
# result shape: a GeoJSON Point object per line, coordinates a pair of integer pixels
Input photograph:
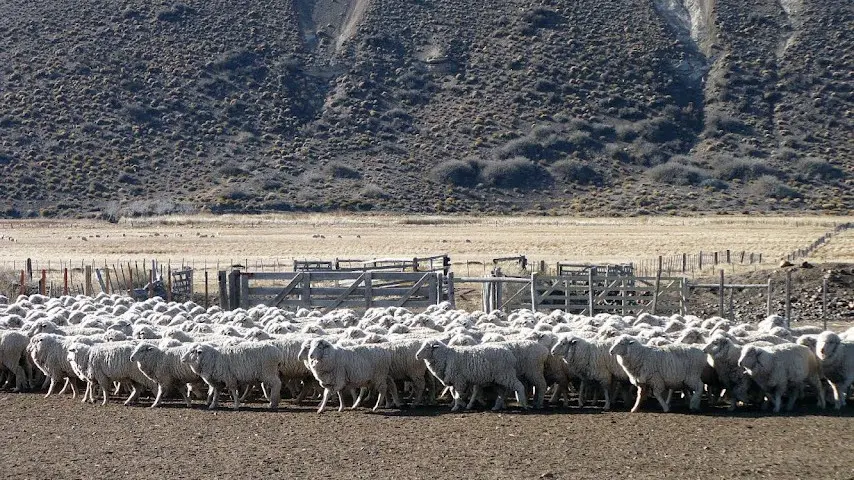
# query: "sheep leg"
{"type": "Point", "coordinates": [582, 391]}
{"type": "Point", "coordinates": [606, 388]}
{"type": "Point", "coordinates": [275, 386]}
{"type": "Point", "coordinates": [235, 396]}
{"type": "Point", "coordinates": [662, 400]}
{"type": "Point", "coordinates": [303, 392]}
{"type": "Point", "coordinates": [395, 395]}
{"type": "Point", "coordinates": [418, 385]}
{"type": "Point", "coordinates": [778, 400]}
{"type": "Point", "coordinates": [73, 383]}
{"type": "Point", "coordinates": [135, 390]}
{"type": "Point", "coordinates": [326, 392]}
{"type": "Point", "coordinates": [363, 392]}
{"type": "Point", "coordinates": [103, 383]}
{"type": "Point", "coordinates": [458, 397]}
{"type": "Point", "coordinates": [815, 381]}
{"type": "Point", "coordinates": [50, 387]}
{"type": "Point", "coordinates": [696, 397]}
{"type": "Point", "coordinates": [475, 391]}
{"type": "Point", "coordinates": [520, 394]}
{"type": "Point", "coordinates": [642, 392]}
{"type": "Point", "coordinates": [381, 393]}
{"type": "Point", "coordinates": [64, 386]}
{"type": "Point", "coordinates": [159, 397]}
{"type": "Point", "coordinates": [213, 394]}
{"type": "Point", "coordinates": [341, 399]}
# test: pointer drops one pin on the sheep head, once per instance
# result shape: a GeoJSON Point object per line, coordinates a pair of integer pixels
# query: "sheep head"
{"type": "Point", "coordinates": [428, 350]}
{"type": "Point", "coordinates": [716, 345]}
{"type": "Point", "coordinates": [141, 351]}
{"type": "Point", "coordinates": [621, 345]}
{"type": "Point", "coordinates": [827, 344]}
{"type": "Point", "coordinates": [319, 349]}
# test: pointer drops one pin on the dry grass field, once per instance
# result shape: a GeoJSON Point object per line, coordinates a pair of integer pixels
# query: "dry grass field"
{"type": "Point", "coordinates": [271, 238]}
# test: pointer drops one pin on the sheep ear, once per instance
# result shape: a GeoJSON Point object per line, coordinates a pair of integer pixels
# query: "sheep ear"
{"type": "Point", "coordinates": [573, 341]}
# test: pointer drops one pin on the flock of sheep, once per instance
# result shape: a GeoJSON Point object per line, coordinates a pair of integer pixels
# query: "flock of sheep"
{"type": "Point", "coordinates": [111, 345]}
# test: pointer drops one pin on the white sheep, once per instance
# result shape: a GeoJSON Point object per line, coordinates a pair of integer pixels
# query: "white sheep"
{"type": "Point", "coordinates": [475, 366]}
{"type": "Point", "coordinates": [233, 366]}
{"type": "Point", "coordinates": [104, 364]}
{"type": "Point", "coordinates": [590, 360]}
{"type": "Point", "coordinates": [723, 354]}
{"type": "Point", "coordinates": [674, 367]}
{"type": "Point", "coordinates": [49, 353]}
{"type": "Point", "coordinates": [783, 370]}
{"type": "Point", "coordinates": [163, 366]}
{"type": "Point", "coordinates": [13, 347]}
{"type": "Point", "coordinates": [837, 364]}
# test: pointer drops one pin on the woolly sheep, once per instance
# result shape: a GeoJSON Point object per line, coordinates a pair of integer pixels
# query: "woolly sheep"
{"type": "Point", "coordinates": [361, 366]}
{"type": "Point", "coordinates": [163, 366]}
{"type": "Point", "coordinates": [782, 370]}
{"type": "Point", "coordinates": [476, 366]}
{"type": "Point", "coordinates": [13, 347]}
{"type": "Point", "coordinates": [657, 369]}
{"type": "Point", "coordinates": [590, 360]}
{"type": "Point", "coordinates": [837, 364]}
{"type": "Point", "coordinates": [233, 366]}
{"type": "Point", "coordinates": [105, 363]}
{"type": "Point", "coordinates": [723, 354]}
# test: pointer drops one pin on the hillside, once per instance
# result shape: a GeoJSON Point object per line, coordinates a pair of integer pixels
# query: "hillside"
{"type": "Point", "coordinates": [614, 107]}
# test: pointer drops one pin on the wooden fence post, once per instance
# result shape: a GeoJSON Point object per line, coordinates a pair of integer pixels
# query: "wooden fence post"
{"type": "Point", "coordinates": [657, 287]}
{"type": "Point", "coordinates": [788, 298]}
{"type": "Point", "coordinates": [222, 279]}
{"type": "Point", "coordinates": [824, 301]}
{"type": "Point", "coordinates": [368, 289]}
{"type": "Point", "coordinates": [683, 297]}
{"type": "Point", "coordinates": [23, 285]}
{"type": "Point", "coordinates": [700, 260]}
{"type": "Point", "coordinates": [684, 261]}
{"type": "Point", "coordinates": [721, 296]}
{"type": "Point", "coordinates": [43, 283]}
{"type": "Point", "coordinates": [233, 289]}
{"type": "Point", "coordinates": [65, 281]}
{"type": "Point", "coordinates": [87, 282]}
{"type": "Point", "coordinates": [590, 291]}
{"type": "Point", "coordinates": [768, 300]}
{"type": "Point", "coordinates": [451, 293]}
{"type": "Point", "coordinates": [206, 288]}
{"type": "Point", "coordinates": [534, 292]}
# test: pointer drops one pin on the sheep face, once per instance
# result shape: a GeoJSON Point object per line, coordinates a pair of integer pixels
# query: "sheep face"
{"type": "Point", "coordinates": [810, 342]}
{"type": "Point", "coordinates": [193, 357]}
{"type": "Point", "coordinates": [319, 348]}
{"type": "Point", "coordinates": [427, 350]}
{"type": "Point", "coordinates": [303, 351]}
{"type": "Point", "coordinates": [141, 351]}
{"type": "Point", "coordinates": [621, 346]}
{"type": "Point", "coordinates": [715, 345]}
{"type": "Point", "coordinates": [749, 358]}
{"type": "Point", "coordinates": [826, 346]}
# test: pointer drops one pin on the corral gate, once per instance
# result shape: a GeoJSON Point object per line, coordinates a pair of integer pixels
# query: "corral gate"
{"type": "Point", "coordinates": [332, 290]}
{"type": "Point", "coordinates": [584, 294]}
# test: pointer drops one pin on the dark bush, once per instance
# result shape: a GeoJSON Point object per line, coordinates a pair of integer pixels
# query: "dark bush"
{"type": "Point", "coordinates": [658, 130]}
{"type": "Point", "coordinates": [729, 168]}
{"type": "Point", "coordinates": [818, 169]}
{"type": "Point", "coordinates": [459, 173]}
{"type": "Point", "coordinates": [714, 184]}
{"type": "Point", "coordinates": [127, 178]}
{"type": "Point", "coordinates": [373, 191]}
{"type": "Point", "coordinates": [231, 171]}
{"type": "Point", "coordinates": [771, 187]}
{"type": "Point", "coordinates": [675, 173]}
{"type": "Point", "coordinates": [515, 173]}
{"type": "Point", "coordinates": [342, 170]}
{"type": "Point", "coordinates": [718, 124]}
{"type": "Point", "coordinates": [576, 172]}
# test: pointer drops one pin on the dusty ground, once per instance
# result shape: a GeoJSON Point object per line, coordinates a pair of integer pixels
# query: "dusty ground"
{"type": "Point", "coordinates": [61, 438]}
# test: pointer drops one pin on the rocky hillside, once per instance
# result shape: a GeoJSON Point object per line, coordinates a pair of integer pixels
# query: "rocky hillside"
{"type": "Point", "coordinates": [584, 107]}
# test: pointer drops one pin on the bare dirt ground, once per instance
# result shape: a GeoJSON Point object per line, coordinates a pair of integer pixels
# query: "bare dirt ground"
{"type": "Point", "coordinates": [61, 438]}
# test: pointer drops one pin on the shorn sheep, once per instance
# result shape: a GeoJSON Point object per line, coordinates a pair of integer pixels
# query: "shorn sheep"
{"type": "Point", "coordinates": [783, 370]}
{"type": "Point", "coordinates": [235, 366]}
{"type": "Point", "coordinates": [657, 369]}
{"type": "Point", "coordinates": [475, 366]}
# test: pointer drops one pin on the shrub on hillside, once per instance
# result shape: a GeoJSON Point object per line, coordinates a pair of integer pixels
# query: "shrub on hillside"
{"type": "Point", "coordinates": [342, 170]}
{"type": "Point", "coordinates": [719, 124]}
{"type": "Point", "coordinates": [515, 173]}
{"type": "Point", "coordinates": [818, 169]}
{"type": "Point", "coordinates": [675, 173]}
{"type": "Point", "coordinates": [576, 172]}
{"type": "Point", "coordinates": [460, 173]}
{"type": "Point", "coordinates": [771, 187]}
{"type": "Point", "coordinates": [729, 168]}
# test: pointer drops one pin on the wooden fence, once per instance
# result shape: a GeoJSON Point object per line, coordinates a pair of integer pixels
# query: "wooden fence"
{"type": "Point", "coordinates": [332, 290]}
{"type": "Point", "coordinates": [582, 294]}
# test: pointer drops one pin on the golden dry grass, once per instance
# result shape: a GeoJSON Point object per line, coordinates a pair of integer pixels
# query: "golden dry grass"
{"type": "Point", "coordinates": [282, 238]}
